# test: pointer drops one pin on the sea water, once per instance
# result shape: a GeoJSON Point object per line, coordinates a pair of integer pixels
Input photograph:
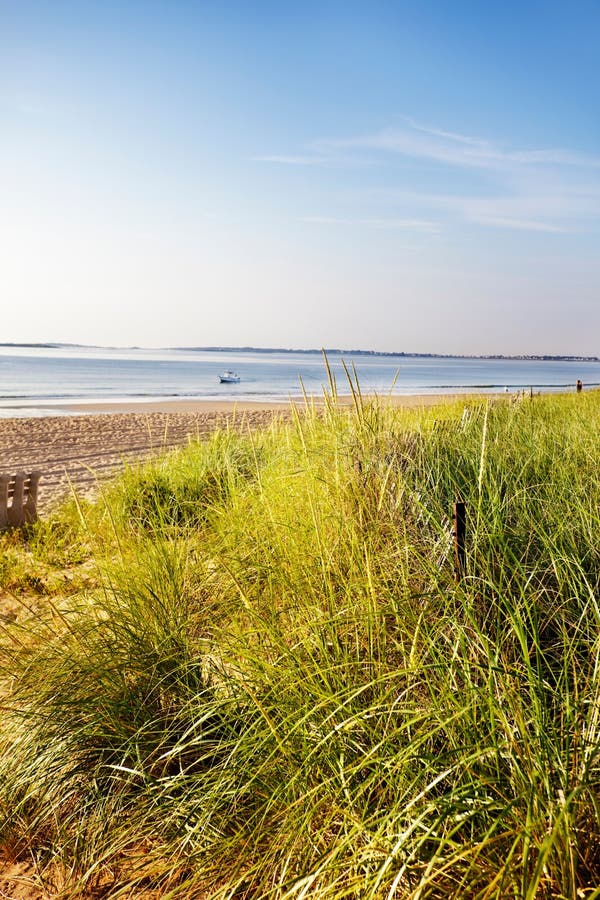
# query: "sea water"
{"type": "Point", "coordinates": [47, 380]}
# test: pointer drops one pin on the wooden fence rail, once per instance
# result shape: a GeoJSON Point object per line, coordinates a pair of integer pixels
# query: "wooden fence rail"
{"type": "Point", "coordinates": [18, 499]}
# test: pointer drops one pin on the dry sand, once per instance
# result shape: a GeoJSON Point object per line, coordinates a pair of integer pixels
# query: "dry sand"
{"type": "Point", "coordinates": [82, 449]}
{"type": "Point", "coordinates": [18, 881]}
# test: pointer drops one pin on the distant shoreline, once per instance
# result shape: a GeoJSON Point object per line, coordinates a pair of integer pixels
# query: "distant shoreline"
{"type": "Point", "coordinates": [328, 350]}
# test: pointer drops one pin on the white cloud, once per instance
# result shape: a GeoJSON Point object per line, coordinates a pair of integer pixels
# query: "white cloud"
{"type": "Point", "coordinates": [518, 224]}
{"type": "Point", "coordinates": [555, 210]}
{"type": "Point", "coordinates": [420, 225]}
{"type": "Point", "coordinates": [28, 103]}
{"type": "Point", "coordinates": [419, 141]}
{"type": "Point", "coordinates": [423, 142]}
{"type": "Point", "coordinates": [293, 160]}
{"type": "Point", "coordinates": [537, 189]}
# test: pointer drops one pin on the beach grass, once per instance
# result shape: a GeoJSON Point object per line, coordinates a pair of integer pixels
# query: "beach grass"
{"type": "Point", "coordinates": [264, 681]}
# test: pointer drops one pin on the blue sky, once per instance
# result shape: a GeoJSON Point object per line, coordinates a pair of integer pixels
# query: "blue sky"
{"type": "Point", "coordinates": [411, 176]}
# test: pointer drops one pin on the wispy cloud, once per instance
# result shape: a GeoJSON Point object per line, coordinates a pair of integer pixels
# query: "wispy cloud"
{"type": "Point", "coordinates": [27, 103]}
{"type": "Point", "coordinates": [519, 224]}
{"type": "Point", "coordinates": [550, 190]}
{"type": "Point", "coordinates": [301, 159]}
{"type": "Point", "coordinates": [420, 225]}
{"type": "Point", "coordinates": [543, 207]}
{"type": "Point", "coordinates": [418, 141]}
{"type": "Point", "coordinates": [311, 157]}
{"type": "Point", "coordinates": [422, 142]}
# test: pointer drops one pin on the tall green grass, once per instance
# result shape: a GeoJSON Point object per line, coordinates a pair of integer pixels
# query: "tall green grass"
{"type": "Point", "coordinates": [276, 689]}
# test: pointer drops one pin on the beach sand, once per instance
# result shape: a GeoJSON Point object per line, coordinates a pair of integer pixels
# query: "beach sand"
{"type": "Point", "coordinates": [80, 450]}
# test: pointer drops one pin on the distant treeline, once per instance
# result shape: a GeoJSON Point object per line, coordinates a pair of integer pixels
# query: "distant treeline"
{"type": "Point", "coordinates": [401, 353]}
{"type": "Point", "coordinates": [328, 350]}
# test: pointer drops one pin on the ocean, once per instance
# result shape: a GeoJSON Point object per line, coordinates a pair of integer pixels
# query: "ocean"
{"type": "Point", "coordinates": [44, 381]}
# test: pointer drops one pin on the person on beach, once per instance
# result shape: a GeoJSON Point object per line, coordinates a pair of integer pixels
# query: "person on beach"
{"type": "Point", "coordinates": [579, 385]}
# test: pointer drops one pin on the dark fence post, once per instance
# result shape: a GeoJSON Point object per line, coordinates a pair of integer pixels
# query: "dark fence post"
{"type": "Point", "coordinates": [459, 528]}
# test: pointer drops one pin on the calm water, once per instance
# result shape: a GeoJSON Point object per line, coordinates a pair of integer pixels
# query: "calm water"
{"type": "Point", "coordinates": [43, 381]}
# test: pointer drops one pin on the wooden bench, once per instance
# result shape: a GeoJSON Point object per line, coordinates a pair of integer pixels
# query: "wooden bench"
{"type": "Point", "coordinates": [18, 499]}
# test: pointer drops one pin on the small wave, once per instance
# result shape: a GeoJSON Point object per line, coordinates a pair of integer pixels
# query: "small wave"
{"type": "Point", "coordinates": [249, 392]}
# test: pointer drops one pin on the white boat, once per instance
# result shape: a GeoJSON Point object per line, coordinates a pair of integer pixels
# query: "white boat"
{"type": "Point", "coordinates": [229, 377]}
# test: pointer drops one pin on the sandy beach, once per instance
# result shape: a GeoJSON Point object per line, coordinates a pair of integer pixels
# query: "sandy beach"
{"type": "Point", "coordinates": [80, 450]}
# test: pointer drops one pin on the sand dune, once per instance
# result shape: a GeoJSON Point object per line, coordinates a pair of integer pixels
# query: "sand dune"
{"type": "Point", "coordinates": [82, 450]}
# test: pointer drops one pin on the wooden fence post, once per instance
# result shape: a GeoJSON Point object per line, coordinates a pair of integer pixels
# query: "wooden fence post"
{"type": "Point", "coordinates": [4, 482]}
{"type": "Point", "coordinates": [18, 499]}
{"type": "Point", "coordinates": [30, 508]}
{"type": "Point", "coordinates": [15, 511]}
{"type": "Point", "coordinates": [459, 528]}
